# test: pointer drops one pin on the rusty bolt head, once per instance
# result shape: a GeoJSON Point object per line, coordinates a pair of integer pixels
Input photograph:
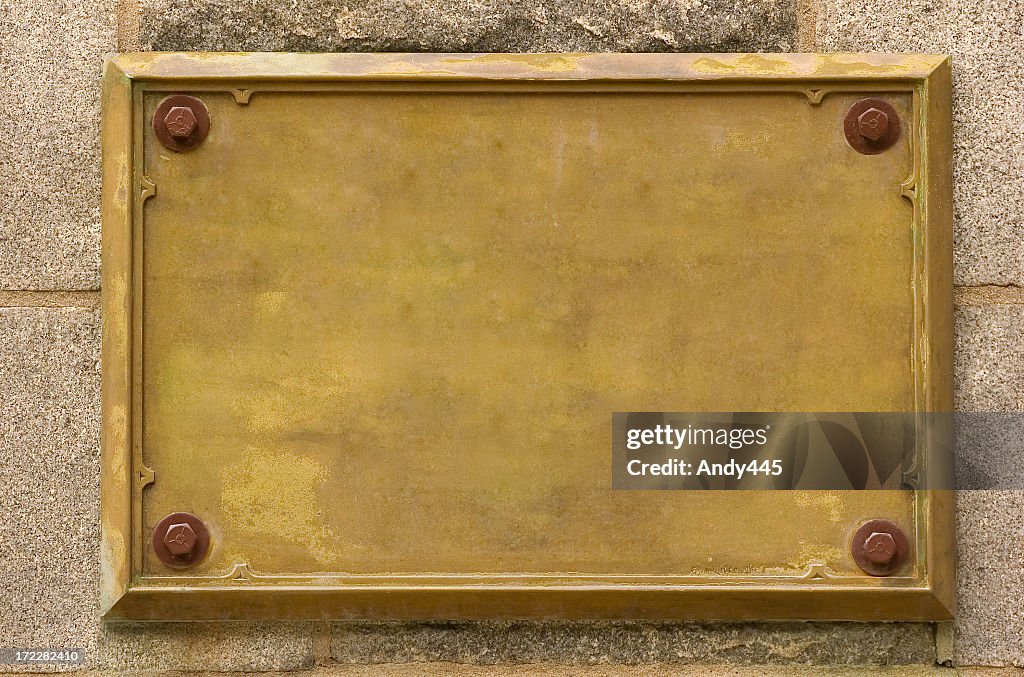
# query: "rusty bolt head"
{"type": "Point", "coordinates": [873, 124]}
{"type": "Point", "coordinates": [181, 122]}
{"type": "Point", "coordinates": [880, 548]}
{"type": "Point", "coordinates": [180, 539]}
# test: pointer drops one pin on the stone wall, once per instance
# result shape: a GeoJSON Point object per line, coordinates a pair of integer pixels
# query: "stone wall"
{"type": "Point", "coordinates": [50, 59]}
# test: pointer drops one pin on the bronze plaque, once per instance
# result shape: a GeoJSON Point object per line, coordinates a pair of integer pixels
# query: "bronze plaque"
{"type": "Point", "coordinates": [367, 322]}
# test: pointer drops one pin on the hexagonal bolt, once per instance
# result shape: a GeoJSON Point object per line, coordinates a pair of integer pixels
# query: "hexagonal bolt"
{"type": "Point", "coordinates": [873, 124]}
{"type": "Point", "coordinates": [880, 548]}
{"type": "Point", "coordinates": [180, 539]}
{"type": "Point", "coordinates": [180, 122]}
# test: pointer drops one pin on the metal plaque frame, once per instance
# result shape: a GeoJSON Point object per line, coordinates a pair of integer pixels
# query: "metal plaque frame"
{"type": "Point", "coordinates": [126, 593]}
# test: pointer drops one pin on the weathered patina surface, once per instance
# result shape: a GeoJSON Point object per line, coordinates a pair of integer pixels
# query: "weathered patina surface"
{"type": "Point", "coordinates": [373, 328]}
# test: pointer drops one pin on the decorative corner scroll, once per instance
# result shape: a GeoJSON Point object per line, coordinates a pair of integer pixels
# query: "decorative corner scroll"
{"type": "Point", "coordinates": [147, 189]}
{"type": "Point", "coordinates": [908, 188]}
{"type": "Point", "coordinates": [144, 476]}
{"type": "Point", "coordinates": [241, 96]}
{"type": "Point", "coordinates": [240, 572]}
{"type": "Point", "coordinates": [814, 96]}
{"type": "Point", "coordinates": [912, 477]}
{"type": "Point", "coordinates": [819, 571]}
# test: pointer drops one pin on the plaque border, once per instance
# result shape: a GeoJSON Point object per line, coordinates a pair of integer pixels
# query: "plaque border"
{"type": "Point", "coordinates": [815, 594]}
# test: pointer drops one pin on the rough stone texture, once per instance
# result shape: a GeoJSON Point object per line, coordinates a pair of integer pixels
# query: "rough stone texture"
{"type": "Point", "coordinates": [50, 57]}
{"type": "Point", "coordinates": [984, 39]}
{"type": "Point", "coordinates": [989, 370]}
{"type": "Point", "coordinates": [470, 26]}
{"type": "Point", "coordinates": [221, 646]}
{"type": "Point", "coordinates": [990, 541]}
{"type": "Point", "coordinates": [583, 643]}
{"type": "Point", "coordinates": [989, 449]}
{"type": "Point", "coordinates": [989, 366]}
{"type": "Point", "coordinates": [49, 474]}
{"type": "Point", "coordinates": [990, 386]}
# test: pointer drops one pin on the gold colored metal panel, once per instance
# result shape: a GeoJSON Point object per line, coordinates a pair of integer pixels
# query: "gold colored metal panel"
{"type": "Point", "coordinates": [372, 329]}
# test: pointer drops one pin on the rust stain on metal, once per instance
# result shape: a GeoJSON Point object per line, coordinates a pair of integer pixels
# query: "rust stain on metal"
{"type": "Point", "coordinates": [181, 122]}
{"type": "Point", "coordinates": [879, 547]}
{"type": "Point", "coordinates": [181, 540]}
{"type": "Point", "coordinates": [871, 126]}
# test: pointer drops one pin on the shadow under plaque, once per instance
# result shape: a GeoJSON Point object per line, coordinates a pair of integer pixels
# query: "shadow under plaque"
{"type": "Point", "coordinates": [370, 323]}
